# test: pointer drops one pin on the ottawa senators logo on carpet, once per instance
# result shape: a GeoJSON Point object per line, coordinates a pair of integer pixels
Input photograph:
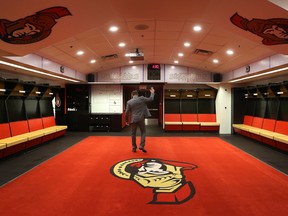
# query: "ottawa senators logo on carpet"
{"type": "Point", "coordinates": [273, 31]}
{"type": "Point", "coordinates": [165, 177]}
{"type": "Point", "coordinates": [31, 28]}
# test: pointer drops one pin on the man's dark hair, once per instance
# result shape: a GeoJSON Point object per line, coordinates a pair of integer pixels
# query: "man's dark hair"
{"type": "Point", "coordinates": [135, 92]}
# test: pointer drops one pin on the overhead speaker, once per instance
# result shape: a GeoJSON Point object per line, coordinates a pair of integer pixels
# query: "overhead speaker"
{"type": "Point", "coordinates": [90, 78]}
{"type": "Point", "coordinates": [217, 77]}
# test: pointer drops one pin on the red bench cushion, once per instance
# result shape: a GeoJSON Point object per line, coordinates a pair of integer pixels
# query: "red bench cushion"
{"type": "Point", "coordinates": [248, 120]}
{"type": "Point", "coordinates": [268, 124]}
{"type": "Point", "coordinates": [4, 131]}
{"type": "Point", "coordinates": [19, 127]}
{"type": "Point", "coordinates": [172, 118]}
{"type": "Point", "coordinates": [281, 127]}
{"type": "Point", "coordinates": [35, 124]}
{"type": "Point", "coordinates": [257, 122]}
{"type": "Point", "coordinates": [206, 117]}
{"type": "Point", "coordinates": [48, 121]}
{"type": "Point", "coordinates": [189, 117]}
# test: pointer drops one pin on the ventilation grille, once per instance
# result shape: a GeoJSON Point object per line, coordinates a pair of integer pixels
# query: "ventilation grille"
{"type": "Point", "coordinates": [203, 52]}
{"type": "Point", "coordinates": [109, 57]}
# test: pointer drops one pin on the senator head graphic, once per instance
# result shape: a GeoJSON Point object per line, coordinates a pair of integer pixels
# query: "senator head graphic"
{"type": "Point", "coordinates": [31, 28]}
{"type": "Point", "coordinates": [165, 177]}
{"type": "Point", "coordinates": [273, 31]}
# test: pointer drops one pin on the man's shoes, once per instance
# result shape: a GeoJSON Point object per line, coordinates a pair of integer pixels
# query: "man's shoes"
{"type": "Point", "coordinates": [142, 149]}
{"type": "Point", "coordinates": [133, 149]}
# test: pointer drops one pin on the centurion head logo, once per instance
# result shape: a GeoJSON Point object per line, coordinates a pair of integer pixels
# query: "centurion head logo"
{"type": "Point", "coordinates": [31, 28]}
{"type": "Point", "coordinates": [273, 31]}
{"type": "Point", "coordinates": [165, 177]}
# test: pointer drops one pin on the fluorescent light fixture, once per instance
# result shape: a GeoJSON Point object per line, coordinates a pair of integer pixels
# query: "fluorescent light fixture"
{"type": "Point", "coordinates": [176, 61]}
{"type": "Point", "coordinates": [113, 28]}
{"type": "Point", "coordinates": [2, 90]}
{"type": "Point", "coordinates": [180, 54]}
{"type": "Point", "coordinates": [80, 52]}
{"type": "Point", "coordinates": [187, 44]}
{"type": "Point", "coordinates": [207, 95]}
{"type": "Point", "coordinates": [37, 92]}
{"type": "Point", "coordinates": [230, 52]}
{"type": "Point", "coordinates": [122, 44]}
{"type": "Point", "coordinates": [197, 28]}
{"type": "Point", "coordinates": [36, 71]}
{"type": "Point", "coordinates": [280, 93]}
{"type": "Point", "coordinates": [255, 94]}
{"type": "Point", "coordinates": [172, 95]}
{"type": "Point", "coordinates": [189, 95]}
{"type": "Point", "coordinates": [22, 91]}
{"type": "Point", "coordinates": [258, 75]}
{"type": "Point", "coordinates": [92, 61]}
{"type": "Point", "coordinates": [50, 93]}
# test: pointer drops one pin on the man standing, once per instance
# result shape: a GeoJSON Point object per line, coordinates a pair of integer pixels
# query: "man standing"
{"type": "Point", "coordinates": [138, 110]}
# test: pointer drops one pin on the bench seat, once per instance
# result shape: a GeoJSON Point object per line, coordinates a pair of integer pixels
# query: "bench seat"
{"type": "Point", "coordinates": [191, 122]}
{"type": "Point", "coordinates": [209, 123]}
{"type": "Point", "coordinates": [269, 131]}
{"type": "Point", "coordinates": [281, 142]}
{"type": "Point", "coordinates": [281, 138]}
{"type": "Point", "coordinates": [20, 135]}
{"type": "Point", "coordinates": [173, 123]}
{"type": "Point", "coordinates": [11, 141]}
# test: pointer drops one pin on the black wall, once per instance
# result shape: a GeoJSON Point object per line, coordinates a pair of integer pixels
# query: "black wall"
{"type": "Point", "coordinates": [21, 108]}
{"type": "Point", "coordinates": [172, 106]}
{"type": "Point", "coordinates": [273, 107]}
{"type": "Point", "coordinates": [3, 113]}
{"type": "Point", "coordinates": [32, 108]}
{"type": "Point", "coordinates": [46, 107]}
{"type": "Point", "coordinates": [16, 109]}
{"type": "Point", "coordinates": [189, 106]}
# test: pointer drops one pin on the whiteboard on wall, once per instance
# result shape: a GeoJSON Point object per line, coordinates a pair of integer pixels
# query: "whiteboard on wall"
{"type": "Point", "coordinates": [106, 99]}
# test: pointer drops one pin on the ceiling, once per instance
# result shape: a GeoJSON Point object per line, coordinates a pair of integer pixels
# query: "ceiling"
{"type": "Point", "coordinates": [154, 27]}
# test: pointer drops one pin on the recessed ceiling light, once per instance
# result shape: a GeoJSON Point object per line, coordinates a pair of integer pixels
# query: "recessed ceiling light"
{"type": "Point", "coordinates": [187, 44]}
{"type": "Point", "coordinates": [131, 62]}
{"type": "Point", "coordinates": [176, 61]}
{"type": "Point", "coordinates": [122, 44]}
{"type": "Point", "coordinates": [215, 61]}
{"type": "Point", "coordinates": [92, 61]}
{"type": "Point", "coordinates": [197, 28]}
{"type": "Point", "coordinates": [127, 54]}
{"type": "Point", "coordinates": [230, 52]}
{"type": "Point", "coordinates": [80, 52]}
{"type": "Point", "coordinates": [180, 54]}
{"type": "Point", "coordinates": [113, 28]}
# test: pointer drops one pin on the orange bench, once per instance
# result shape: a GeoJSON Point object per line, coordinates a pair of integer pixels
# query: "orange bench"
{"type": "Point", "coordinates": [281, 139]}
{"type": "Point", "coordinates": [7, 141]}
{"type": "Point", "coordinates": [191, 122]}
{"type": "Point", "coordinates": [172, 122]}
{"type": "Point", "coordinates": [269, 131]}
{"type": "Point", "coordinates": [208, 122]}
{"type": "Point", "coordinates": [20, 135]}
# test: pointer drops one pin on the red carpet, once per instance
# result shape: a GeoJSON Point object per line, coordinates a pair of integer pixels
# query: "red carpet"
{"type": "Point", "coordinates": [178, 176]}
